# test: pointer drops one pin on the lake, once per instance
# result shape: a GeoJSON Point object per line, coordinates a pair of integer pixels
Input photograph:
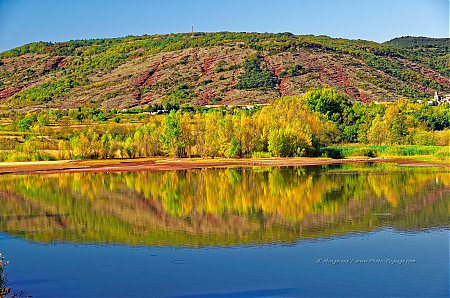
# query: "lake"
{"type": "Point", "coordinates": [340, 230]}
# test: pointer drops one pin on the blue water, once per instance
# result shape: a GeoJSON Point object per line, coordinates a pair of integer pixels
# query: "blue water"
{"type": "Point", "coordinates": [379, 231]}
{"type": "Point", "coordinates": [63, 269]}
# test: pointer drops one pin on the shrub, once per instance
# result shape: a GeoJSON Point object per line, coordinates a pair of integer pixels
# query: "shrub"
{"type": "Point", "coordinates": [425, 138]}
{"type": "Point", "coordinates": [443, 153]}
{"type": "Point", "coordinates": [3, 289]}
{"type": "Point", "coordinates": [442, 138]}
{"type": "Point", "coordinates": [331, 152]}
{"type": "Point", "coordinates": [371, 153]}
{"type": "Point", "coordinates": [206, 82]}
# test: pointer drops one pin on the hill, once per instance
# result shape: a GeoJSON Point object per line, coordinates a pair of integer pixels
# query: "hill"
{"type": "Point", "coordinates": [217, 68]}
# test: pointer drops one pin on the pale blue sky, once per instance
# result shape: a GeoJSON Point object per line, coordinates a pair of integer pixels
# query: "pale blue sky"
{"type": "Point", "coordinates": [24, 21]}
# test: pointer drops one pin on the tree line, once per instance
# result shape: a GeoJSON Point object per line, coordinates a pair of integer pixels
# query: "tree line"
{"type": "Point", "coordinates": [288, 127]}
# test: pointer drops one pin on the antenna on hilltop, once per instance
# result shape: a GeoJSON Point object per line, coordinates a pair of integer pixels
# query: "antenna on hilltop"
{"type": "Point", "coordinates": [192, 32]}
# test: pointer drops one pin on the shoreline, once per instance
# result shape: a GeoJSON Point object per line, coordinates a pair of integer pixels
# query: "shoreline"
{"type": "Point", "coordinates": [167, 164]}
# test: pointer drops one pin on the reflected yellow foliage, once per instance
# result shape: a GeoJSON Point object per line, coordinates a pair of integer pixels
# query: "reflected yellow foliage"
{"type": "Point", "coordinates": [221, 206]}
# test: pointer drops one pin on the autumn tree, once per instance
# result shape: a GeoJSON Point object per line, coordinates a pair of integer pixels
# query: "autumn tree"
{"type": "Point", "coordinates": [379, 133]}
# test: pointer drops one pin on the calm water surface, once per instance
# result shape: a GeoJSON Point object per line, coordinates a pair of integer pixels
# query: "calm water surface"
{"type": "Point", "coordinates": [350, 230]}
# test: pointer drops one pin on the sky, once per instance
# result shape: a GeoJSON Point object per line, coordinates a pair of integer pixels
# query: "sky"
{"type": "Point", "coordinates": [25, 21]}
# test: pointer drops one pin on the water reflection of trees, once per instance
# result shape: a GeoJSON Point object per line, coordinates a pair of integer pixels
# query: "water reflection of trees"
{"type": "Point", "coordinates": [221, 206]}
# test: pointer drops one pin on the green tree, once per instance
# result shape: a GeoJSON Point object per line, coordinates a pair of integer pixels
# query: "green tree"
{"type": "Point", "coordinates": [26, 122]}
{"type": "Point", "coordinates": [234, 149]}
{"type": "Point", "coordinates": [328, 102]}
{"type": "Point", "coordinates": [256, 75]}
{"type": "Point", "coordinates": [171, 136]}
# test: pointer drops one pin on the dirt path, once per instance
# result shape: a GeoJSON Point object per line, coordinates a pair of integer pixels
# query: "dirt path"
{"type": "Point", "coordinates": [165, 164]}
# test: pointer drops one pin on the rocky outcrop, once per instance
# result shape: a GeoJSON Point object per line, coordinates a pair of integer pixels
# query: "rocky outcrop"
{"type": "Point", "coordinates": [9, 92]}
{"type": "Point", "coordinates": [207, 63]}
{"type": "Point", "coordinates": [140, 81]}
{"type": "Point", "coordinates": [143, 81]}
{"type": "Point", "coordinates": [341, 79]}
{"type": "Point", "coordinates": [54, 63]}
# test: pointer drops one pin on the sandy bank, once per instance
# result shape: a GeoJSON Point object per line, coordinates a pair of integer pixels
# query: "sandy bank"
{"type": "Point", "coordinates": [164, 164]}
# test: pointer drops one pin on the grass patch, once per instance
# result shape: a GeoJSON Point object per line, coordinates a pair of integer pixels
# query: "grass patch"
{"type": "Point", "coordinates": [261, 155]}
{"type": "Point", "coordinates": [12, 156]}
{"type": "Point", "coordinates": [443, 153]}
{"type": "Point", "coordinates": [346, 151]}
{"type": "Point", "coordinates": [349, 151]}
{"type": "Point", "coordinates": [412, 150]}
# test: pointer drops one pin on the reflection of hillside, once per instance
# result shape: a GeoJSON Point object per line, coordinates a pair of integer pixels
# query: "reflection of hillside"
{"type": "Point", "coordinates": [220, 206]}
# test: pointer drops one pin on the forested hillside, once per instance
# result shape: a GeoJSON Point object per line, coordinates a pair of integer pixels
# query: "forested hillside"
{"type": "Point", "coordinates": [217, 68]}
